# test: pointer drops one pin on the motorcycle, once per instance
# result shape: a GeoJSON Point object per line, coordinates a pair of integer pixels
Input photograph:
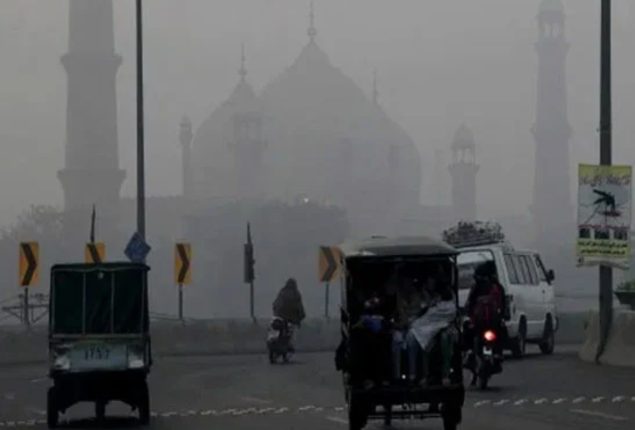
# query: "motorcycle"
{"type": "Point", "coordinates": [487, 357]}
{"type": "Point", "coordinates": [279, 340]}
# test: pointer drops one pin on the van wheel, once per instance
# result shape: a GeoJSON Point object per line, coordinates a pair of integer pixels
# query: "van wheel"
{"type": "Point", "coordinates": [52, 414]}
{"type": "Point", "coordinates": [520, 343]}
{"type": "Point", "coordinates": [548, 342]}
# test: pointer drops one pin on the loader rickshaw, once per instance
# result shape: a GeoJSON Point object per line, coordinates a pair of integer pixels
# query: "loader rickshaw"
{"type": "Point", "coordinates": [383, 378]}
{"type": "Point", "coordinates": [99, 340]}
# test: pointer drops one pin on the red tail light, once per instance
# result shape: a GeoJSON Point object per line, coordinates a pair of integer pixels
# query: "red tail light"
{"type": "Point", "coordinates": [489, 336]}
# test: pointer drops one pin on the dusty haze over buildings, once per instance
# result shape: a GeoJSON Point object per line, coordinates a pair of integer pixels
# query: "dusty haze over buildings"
{"type": "Point", "coordinates": [439, 64]}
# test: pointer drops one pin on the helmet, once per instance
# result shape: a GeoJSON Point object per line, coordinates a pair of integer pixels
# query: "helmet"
{"type": "Point", "coordinates": [485, 270]}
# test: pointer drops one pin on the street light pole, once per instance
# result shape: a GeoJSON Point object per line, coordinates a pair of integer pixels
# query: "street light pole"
{"type": "Point", "coordinates": [141, 208]}
{"type": "Point", "coordinates": [606, 273]}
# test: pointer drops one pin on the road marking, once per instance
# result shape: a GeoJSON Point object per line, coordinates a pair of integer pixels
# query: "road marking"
{"type": "Point", "coordinates": [618, 399]}
{"type": "Point", "coordinates": [306, 408]}
{"type": "Point", "coordinates": [599, 415]}
{"type": "Point", "coordinates": [597, 399]}
{"type": "Point", "coordinates": [520, 402]}
{"type": "Point", "coordinates": [338, 420]}
{"type": "Point", "coordinates": [541, 401]}
{"type": "Point", "coordinates": [340, 408]}
{"type": "Point", "coordinates": [482, 403]}
{"type": "Point", "coordinates": [560, 400]}
{"type": "Point", "coordinates": [578, 400]}
{"type": "Point", "coordinates": [501, 402]}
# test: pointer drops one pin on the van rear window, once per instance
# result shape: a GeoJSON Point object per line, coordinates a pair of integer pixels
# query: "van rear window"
{"type": "Point", "coordinates": [467, 263]}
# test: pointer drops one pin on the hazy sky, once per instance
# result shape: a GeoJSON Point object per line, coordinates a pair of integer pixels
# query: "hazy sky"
{"type": "Point", "coordinates": [440, 63]}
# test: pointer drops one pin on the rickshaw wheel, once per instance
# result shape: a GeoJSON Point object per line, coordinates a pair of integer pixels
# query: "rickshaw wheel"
{"type": "Point", "coordinates": [100, 410]}
{"type": "Point", "coordinates": [388, 415]}
{"type": "Point", "coordinates": [356, 417]}
{"type": "Point", "coordinates": [52, 414]}
{"type": "Point", "coordinates": [451, 415]}
{"type": "Point", "coordinates": [144, 404]}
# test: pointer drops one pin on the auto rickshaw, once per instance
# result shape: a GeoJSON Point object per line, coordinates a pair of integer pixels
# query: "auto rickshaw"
{"type": "Point", "coordinates": [376, 272]}
{"type": "Point", "coordinates": [99, 341]}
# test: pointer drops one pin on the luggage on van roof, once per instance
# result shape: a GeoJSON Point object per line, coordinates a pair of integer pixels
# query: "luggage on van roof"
{"type": "Point", "coordinates": [475, 233]}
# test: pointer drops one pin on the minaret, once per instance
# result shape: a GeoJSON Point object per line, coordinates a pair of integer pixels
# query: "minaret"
{"type": "Point", "coordinates": [463, 170]}
{"type": "Point", "coordinates": [91, 174]}
{"type": "Point", "coordinates": [247, 141]}
{"type": "Point", "coordinates": [312, 31]}
{"type": "Point", "coordinates": [551, 208]}
{"type": "Point", "coordinates": [185, 138]}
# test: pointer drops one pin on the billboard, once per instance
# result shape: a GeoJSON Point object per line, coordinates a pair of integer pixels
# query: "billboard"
{"type": "Point", "coordinates": [604, 215]}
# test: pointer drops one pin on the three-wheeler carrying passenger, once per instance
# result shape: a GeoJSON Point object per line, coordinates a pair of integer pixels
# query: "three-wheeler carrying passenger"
{"type": "Point", "coordinates": [99, 341]}
{"type": "Point", "coordinates": [401, 350]}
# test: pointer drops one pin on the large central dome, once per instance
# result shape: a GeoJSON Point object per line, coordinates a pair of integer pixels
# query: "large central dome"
{"type": "Point", "coordinates": [321, 138]}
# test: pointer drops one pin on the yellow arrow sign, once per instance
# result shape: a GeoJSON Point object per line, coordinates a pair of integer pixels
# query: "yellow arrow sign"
{"type": "Point", "coordinates": [183, 264]}
{"type": "Point", "coordinates": [95, 253]}
{"type": "Point", "coordinates": [329, 263]}
{"type": "Point", "coordinates": [29, 264]}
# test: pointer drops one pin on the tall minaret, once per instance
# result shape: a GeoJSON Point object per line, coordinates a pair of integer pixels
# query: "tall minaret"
{"type": "Point", "coordinates": [91, 174]}
{"type": "Point", "coordinates": [463, 170]}
{"type": "Point", "coordinates": [551, 209]}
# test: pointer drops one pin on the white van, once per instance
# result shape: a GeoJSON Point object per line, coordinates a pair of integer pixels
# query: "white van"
{"type": "Point", "coordinates": [528, 288]}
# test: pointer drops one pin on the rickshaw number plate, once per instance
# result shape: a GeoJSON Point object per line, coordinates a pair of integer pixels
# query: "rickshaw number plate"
{"type": "Point", "coordinates": [98, 356]}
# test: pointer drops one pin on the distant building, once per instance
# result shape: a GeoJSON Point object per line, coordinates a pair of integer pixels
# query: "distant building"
{"type": "Point", "coordinates": [91, 174]}
{"type": "Point", "coordinates": [463, 170]}
{"type": "Point", "coordinates": [312, 132]}
{"type": "Point", "coordinates": [552, 209]}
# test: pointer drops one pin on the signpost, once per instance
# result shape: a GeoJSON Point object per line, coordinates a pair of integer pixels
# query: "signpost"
{"type": "Point", "coordinates": [604, 215]}
{"type": "Point", "coordinates": [29, 272]}
{"type": "Point", "coordinates": [137, 249]}
{"type": "Point", "coordinates": [250, 273]}
{"type": "Point", "coordinates": [329, 269]}
{"type": "Point", "coordinates": [182, 270]}
{"type": "Point", "coordinates": [95, 253]}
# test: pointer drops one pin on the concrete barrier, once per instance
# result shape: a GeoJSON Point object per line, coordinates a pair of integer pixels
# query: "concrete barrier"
{"type": "Point", "coordinates": [215, 337]}
{"type": "Point", "coordinates": [620, 349]}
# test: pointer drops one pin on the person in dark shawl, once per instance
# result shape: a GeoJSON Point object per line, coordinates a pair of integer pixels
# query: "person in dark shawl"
{"type": "Point", "coordinates": [288, 304]}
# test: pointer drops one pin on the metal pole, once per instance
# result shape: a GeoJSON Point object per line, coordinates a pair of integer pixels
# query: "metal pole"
{"type": "Point", "coordinates": [606, 273]}
{"type": "Point", "coordinates": [141, 209]}
{"type": "Point", "coordinates": [27, 321]}
{"type": "Point", "coordinates": [251, 301]}
{"type": "Point", "coordinates": [326, 301]}
{"type": "Point", "coordinates": [181, 302]}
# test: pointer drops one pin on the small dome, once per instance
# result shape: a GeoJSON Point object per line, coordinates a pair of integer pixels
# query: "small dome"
{"type": "Point", "coordinates": [463, 138]}
{"type": "Point", "coordinates": [551, 6]}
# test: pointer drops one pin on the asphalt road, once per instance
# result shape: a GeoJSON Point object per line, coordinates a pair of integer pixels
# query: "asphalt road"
{"type": "Point", "coordinates": [245, 392]}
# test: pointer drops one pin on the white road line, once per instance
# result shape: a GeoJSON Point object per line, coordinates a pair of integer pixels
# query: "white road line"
{"type": "Point", "coordinates": [520, 402]}
{"type": "Point", "coordinates": [38, 380]}
{"type": "Point", "coordinates": [599, 415]}
{"type": "Point", "coordinates": [541, 401]}
{"type": "Point", "coordinates": [340, 408]}
{"type": "Point", "coordinates": [338, 420]}
{"type": "Point", "coordinates": [597, 399]}
{"type": "Point", "coordinates": [560, 400]}
{"type": "Point", "coordinates": [482, 403]}
{"type": "Point", "coordinates": [501, 402]}
{"type": "Point", "coordinates": [306, 408]}
{"type": "Point", "coordinates": [618, 399]}
{"type": "Point", "coordinates": [578, 400]}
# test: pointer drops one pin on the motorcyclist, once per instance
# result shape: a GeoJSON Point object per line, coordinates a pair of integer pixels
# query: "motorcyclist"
{"type": "Point", "coordinates": [485, 308]}
{"type": "Point", "coordinates": [288, 304]}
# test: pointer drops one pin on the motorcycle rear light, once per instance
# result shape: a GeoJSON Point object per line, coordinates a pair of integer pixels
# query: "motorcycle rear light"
{"type": "Point", "coordinates": [489, 336]}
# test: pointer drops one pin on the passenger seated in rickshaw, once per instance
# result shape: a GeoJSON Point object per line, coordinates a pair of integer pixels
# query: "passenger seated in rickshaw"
{"type": "Point", "coordinates": [413, 302]}
{"type": "Point", "coordinates": [371, 338]}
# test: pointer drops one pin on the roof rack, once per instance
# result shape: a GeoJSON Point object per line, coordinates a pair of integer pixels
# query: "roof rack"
{"type": "Point", "coordinates": [474, 234]}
